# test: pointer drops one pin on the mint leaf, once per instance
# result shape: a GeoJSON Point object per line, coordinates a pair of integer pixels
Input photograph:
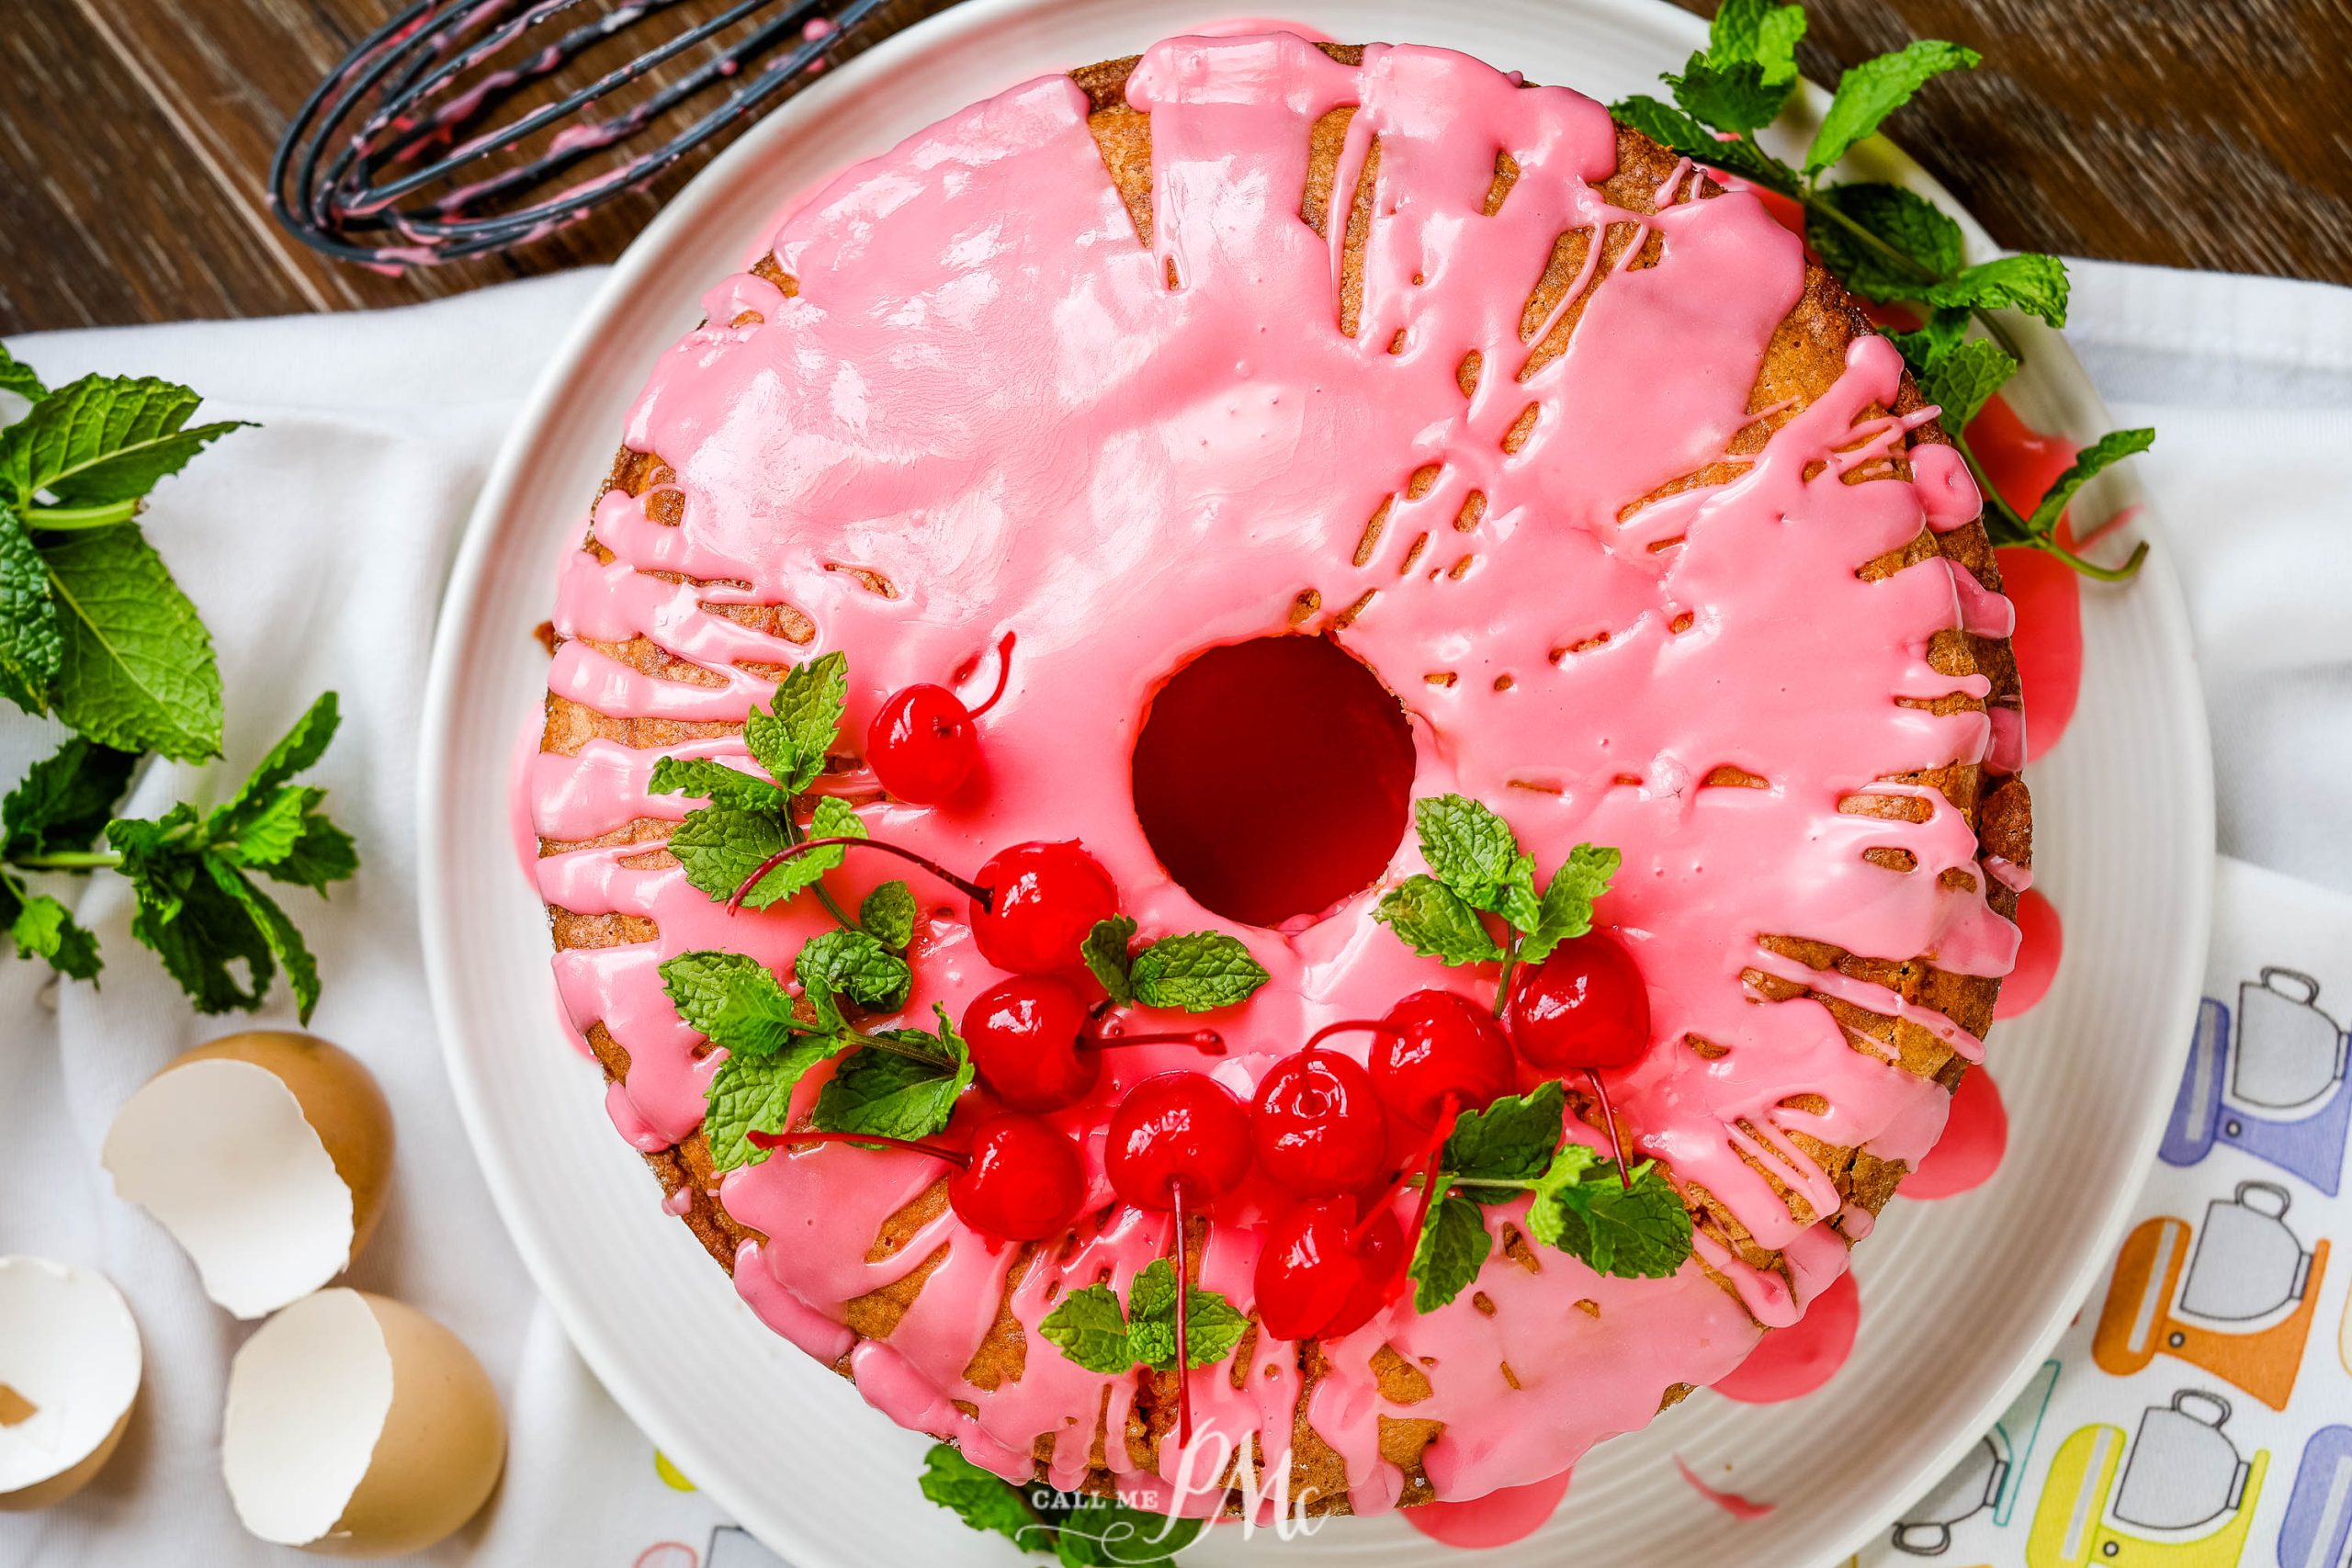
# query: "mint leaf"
{"type": "Point", "coordinates": [1925, 349]}
{"type": "Point", "coordinates": [717, 783]}
{"type": "Point", "coordinates": [18, 376]}
{"type": "Point", "coordinates": [1199, 972]}
{"type": "Point", "coordinates": [1451, 1249]}
{"type": "Point", "coordinates": [197, 928]}
{"type": "Point", "coordinates": [274, 828]}
{"type": "Point", "coordinates": [2028, 282]}
{"type": "Point", "coordinates": [984, 1502]}
{"type": "Point", "coordinates": [1093, 1532]}
{"type": "Point", "coordinates": [285, 942]}
{"type": "Point", "coordinates": [1469, 847]}
{"type": "Point", "coordinates": [729, 850]}
{"type": "Point", "coordinates": [32, 648]}
{"type": "Point", "coordinates": [1870, 92]}
{"type": "Point", "coordinates": [321, 853]}
{"type": "Point", "coordinates": [41, 926]}
{"type": "Point", "coordinates": [895, 1096]}
{"type": "Point", "coordinates": [720, 847]}
{"type": "Point", "coordinates": [1510, 1140]}
{"type": "Point", "coordinates": [2115, 445]}
{"type": "Point", "coordinates": [1090, 1327]}
{"type": "Point", "coordinates": [1738, 94]}
{"type": "Point", "coordinates": [1639, 1233]}
{"type": "Point", "coordinates": [887, 915]}
{"type": "Point", "coordinates": [63, 800]}
{"type": "Point", "coordinates": [1432, 919]}
{"type": "Point", "coordinates": [103, 439]}
{"type": "Point", "coordinates": [1212, 1326]}
{"type": "Point", "coordinates": [1911, 224]}
{"type": "Point", "coordinates": [136, 670]}
{"type": "Point", "coordinates": [1960, 381]}
{"type": "Point", "coordinates": [1678, 133]}
{"type": "Point", "coordinates": [747, 1095]}
{"type": "Point", "coordinates": [856, 966]}
{"type": "Point", "coordinates": [1106, 952]}
{"type": "Point", "coordinates": [1567, 908]}
{"type": "Point", "coordinates": [791, 739]}
{"type": "Point", "coordinates": [1759, 30]}
{"type": "Point", "coordinates": [732, 999]}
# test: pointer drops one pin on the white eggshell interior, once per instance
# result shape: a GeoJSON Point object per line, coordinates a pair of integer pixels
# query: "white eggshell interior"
{"type": "Point", "coordinates": [308, 1396]}
{"type": "Point", "coordinates": [68, 1349]}
{"type": "Point", "coordinates": [220, 1153]}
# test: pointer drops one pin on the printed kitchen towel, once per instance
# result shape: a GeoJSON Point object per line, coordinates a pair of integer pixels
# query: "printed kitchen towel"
{"type": "Point", "coordinates": [328, 530]}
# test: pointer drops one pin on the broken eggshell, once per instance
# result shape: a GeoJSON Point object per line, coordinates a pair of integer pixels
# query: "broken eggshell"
{"type": "Point", "coordinates": [359, 1427]}
{"type": "Point", "coordinates": [266, 1154]}
{"type": "Point", "coordinates": [70, 1364]}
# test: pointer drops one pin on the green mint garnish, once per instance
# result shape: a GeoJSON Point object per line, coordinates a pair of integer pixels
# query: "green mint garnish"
{"type": "Point", "coordinates": [1475, 866]}
{"type": "Point", "coordinates": [1885, 243]}
{"type": "Point", "coordinates": [1090, 1327]}
{"type": "Point", "coordinates": [1197, 972]}
{"type": "Point", "coordinates": [1452, 1248]}
{"type": "Point", "coordinates": [1512, 1148]}
{"type": "Point", "coordinates": [752, 1093]}
{"type": "Point", "coordinates": [803, 719]}
{"type": "Point", "coordinates": [1082, 1531]}
{"type": "Point", "coordinates": [18, 377]}
{"type": "Point", "coordinates": [887, 915]}
{"type": "Point", "coordinates": [854, 964]}
{"type": "Point", "coordinates": [732, 999]}
{"type": "Point", "coordinates": [907, 1092]}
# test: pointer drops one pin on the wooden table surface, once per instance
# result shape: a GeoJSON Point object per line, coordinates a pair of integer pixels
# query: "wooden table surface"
{"type": "Point", "coordinates": [135, 136]}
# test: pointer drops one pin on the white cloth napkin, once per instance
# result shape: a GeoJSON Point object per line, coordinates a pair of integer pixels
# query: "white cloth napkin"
{"type": "Point", "coordinates": [316, 547]}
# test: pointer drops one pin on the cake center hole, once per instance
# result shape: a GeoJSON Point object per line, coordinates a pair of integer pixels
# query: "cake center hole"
{"type": "Point", "coordinates": [1273, 778]}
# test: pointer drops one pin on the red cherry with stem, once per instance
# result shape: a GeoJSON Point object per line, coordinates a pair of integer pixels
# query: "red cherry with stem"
{"type": "Point", "coordinates": [1438, 1051]}
{"type": "Point", "coordinates": [921, 744]}
{"type": "Point", "coordinates": [1177, 1140]}
{"type": "Point", "coordinates": [1317, 1124]}
{"type": "Point", "coordinates": [1032, 904]}
{"type": "Point", "coordinates": [1323, 1272]}
{"type": "Point", "coordinates": [1021, 1180]}
{"type": "Point", "coordinates": [1584, 1007]}
{"type": "Point", "coordinates": [1033, 1041]}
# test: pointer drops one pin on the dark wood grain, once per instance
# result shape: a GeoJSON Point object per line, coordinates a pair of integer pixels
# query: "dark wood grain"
{"type": "Point", "coordinates": [135, 137]}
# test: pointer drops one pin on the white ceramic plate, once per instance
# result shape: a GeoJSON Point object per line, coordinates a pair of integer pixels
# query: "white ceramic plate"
{"type": "Point", "coordinates": [1961, 1298]}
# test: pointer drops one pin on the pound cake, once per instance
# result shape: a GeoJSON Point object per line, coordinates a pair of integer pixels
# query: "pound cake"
{"type": "Point", "coordinates": [1369, 481]}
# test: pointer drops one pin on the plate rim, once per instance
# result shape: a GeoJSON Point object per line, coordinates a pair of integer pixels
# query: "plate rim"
{"type": "Point", "coordinates": [469, 579]}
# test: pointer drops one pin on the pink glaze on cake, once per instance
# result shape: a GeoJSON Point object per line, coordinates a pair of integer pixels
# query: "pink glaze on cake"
{"type": "Point", "coordinates": [987, 392]}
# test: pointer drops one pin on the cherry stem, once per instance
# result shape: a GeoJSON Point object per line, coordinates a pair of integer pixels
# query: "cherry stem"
{"type": "Point", "coordinates": [1183, 1340]}
{"type": "Point", "coordinates": [1205, 1040]}
{"type": "Point", "coordinates": [1446, 1110]}
{"type": "Point", "coordinates": [978, 894]}
{"type": "Point", "coordinates": [778, 1140]}
{"type": "Point", "coordinates": [1345, 1025]}
{"type": "Point", "coordinates": [1003, 673]}
{"type": "Point", "coordinates": [1616, 1139]}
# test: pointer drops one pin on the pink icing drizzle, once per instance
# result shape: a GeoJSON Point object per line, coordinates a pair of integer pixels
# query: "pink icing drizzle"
{"type": "Point", "coordinates": [988, 393]}
{"type": "Point", "coordinates": [1731, 1502]}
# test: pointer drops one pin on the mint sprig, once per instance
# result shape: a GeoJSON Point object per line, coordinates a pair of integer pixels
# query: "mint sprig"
{"type": "Point", "coordinates": [1196, 972]}
{"type": "Point", "coordinates": [1090, 1327]}
{"type": "Point", "coordinates": [1634, 1227]}
{"type": "Point", "coordinates": [905, 1085]}
{"type": "Point", "coordinates": [94, 630]}
{"type": "Point", "coordinates": [1476, 868]}
{"type": "Point", "coordinates": [1887, 243]}
{"type": "Point", "coordinates": [1082, 1531]}
{"type": "Point", "coordinates": [750, 818]}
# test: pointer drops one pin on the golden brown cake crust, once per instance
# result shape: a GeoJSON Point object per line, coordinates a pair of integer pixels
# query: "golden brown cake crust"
{"type": "Point", "coordinates": [1806, 354]}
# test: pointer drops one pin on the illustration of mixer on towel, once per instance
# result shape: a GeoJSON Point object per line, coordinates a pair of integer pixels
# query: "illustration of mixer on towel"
{"type": "Point", "coordinates": [2270, 1081]}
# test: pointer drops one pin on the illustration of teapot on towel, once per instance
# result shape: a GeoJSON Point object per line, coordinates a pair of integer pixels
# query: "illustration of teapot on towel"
{"type": "Point", "coordinates": [2271, 1081]}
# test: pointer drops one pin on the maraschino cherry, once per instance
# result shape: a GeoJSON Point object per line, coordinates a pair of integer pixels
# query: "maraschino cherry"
{"type": "Point", "coordinates": [1318, 1124]}
{"type": "Point", "coordinates": [1584, 1007]}
{"type": "Point", "coordinates": [1022, 1181]}
{"type": "Point", "coordinates": [1035, 1044]}
{"type": "Point", "coordinates": [1032, 904]}
{"type": "Point", "coordinates": [921, 744]}
{"type": "Point", "coordinates": [1438, 1053]}
{"type": "Point", "coordinates": [1177, 1142]}
{"type": "Point", "coordinates": [1323, 1272]}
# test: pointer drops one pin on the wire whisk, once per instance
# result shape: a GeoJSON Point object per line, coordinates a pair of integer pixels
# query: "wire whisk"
{"type": "Point", "coordinates": [400, 157]}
